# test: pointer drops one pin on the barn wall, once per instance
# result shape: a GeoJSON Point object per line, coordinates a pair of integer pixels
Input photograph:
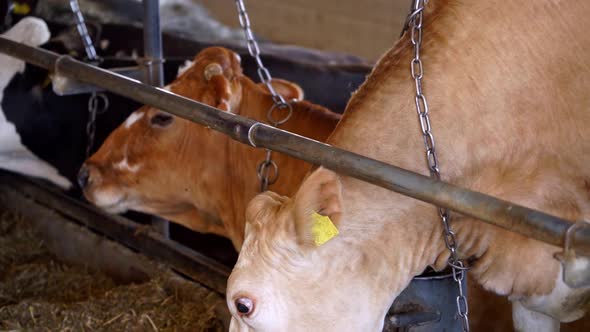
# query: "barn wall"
{"type": "Point", "coordinates": [365, 28]}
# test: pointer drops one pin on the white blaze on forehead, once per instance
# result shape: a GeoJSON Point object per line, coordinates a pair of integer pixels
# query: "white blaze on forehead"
{"type": "Point", "coordinates": [123, 165]}
{"type": "Point", "coordinates": [133, 118]}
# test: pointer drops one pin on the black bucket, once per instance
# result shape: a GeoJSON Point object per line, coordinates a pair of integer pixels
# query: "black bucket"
{"type": "Point", "coordinates": [429, 303]}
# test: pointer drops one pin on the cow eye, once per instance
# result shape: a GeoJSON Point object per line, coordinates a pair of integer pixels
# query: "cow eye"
{"type": "Point", "coordinates": [162, 120]}
{"type": "Point", "coordinates": [244, 306]}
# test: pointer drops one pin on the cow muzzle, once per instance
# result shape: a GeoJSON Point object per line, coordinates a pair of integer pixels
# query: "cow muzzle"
{"type": "Point", "coordinates": [83, 177]}
{"type": "Point", "coordinates": [106, 195]}
{"type": "Point", "coordinates": [89, 176]}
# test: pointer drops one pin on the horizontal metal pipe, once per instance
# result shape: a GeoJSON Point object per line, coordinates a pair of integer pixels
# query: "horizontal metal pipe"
{"type": "Point", "coordinates": [516, 218]}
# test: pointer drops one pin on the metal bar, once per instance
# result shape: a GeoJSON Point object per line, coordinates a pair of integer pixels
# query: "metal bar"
{"type": "Point", "coordinates": [65, 86]}
{"type": "Point", "coordinates": [161, 226]}
{"type": "Point", "coordinates": [528, 222]}
{"type": "Point", "coordinates": [152, 44]}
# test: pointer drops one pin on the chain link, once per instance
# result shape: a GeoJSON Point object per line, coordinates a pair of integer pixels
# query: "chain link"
{"type": "Point", "coordinates": [83, 31]}
{"type": "Point", "coordinates": [94, 108]}
{"type": "Point", "coordinates": [414, 24]}
{"type": "Point", "coordinates": [281, 110]}
{"type": "Point", "coordinates": [94, 102]}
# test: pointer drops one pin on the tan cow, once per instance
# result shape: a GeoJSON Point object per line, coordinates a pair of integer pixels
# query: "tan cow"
{"type": "Point", "coordinates": [164, 165]}
{"type": "Point", "coordinates": [508, 88]}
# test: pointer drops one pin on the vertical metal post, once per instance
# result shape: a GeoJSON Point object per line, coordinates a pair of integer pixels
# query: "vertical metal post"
{"type": "Point", "coordinates": [152, 64]}
{"type": "Point", "coordinates": [161, 226]}
{"type": "Point", "coordinates": [152, 44]}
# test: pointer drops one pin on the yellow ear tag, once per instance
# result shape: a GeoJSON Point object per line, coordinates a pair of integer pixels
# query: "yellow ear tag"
{"type": "Point", "coordinates": [46, 82]}
{"type": "Point", "coordinates": [21, 8]}
{"type": "Point", "coordinates": [323, 229]}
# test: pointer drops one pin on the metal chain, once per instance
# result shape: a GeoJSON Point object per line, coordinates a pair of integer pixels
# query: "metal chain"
{"type": "Point", "coordinates": [267, 170]}
{"type": "Point", "coordinates": [94, 106]}
{"type": "Point", "coordinates": [414, 21]}
{"type": "Point", "coordinates": [83, 31]}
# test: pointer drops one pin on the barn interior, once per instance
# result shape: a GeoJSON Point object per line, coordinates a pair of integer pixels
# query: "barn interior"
{"type": "Point", "coordinates": [67, 265]}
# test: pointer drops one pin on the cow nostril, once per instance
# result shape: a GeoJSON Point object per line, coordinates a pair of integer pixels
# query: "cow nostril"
{"type": "Point", "coordinates": [245, 306]}
{"type": "Point", "coordinates": [83, 177]}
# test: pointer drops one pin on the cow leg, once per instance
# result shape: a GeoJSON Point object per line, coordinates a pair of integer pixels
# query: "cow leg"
{"type": "Point", "coordinates": [526, 320]}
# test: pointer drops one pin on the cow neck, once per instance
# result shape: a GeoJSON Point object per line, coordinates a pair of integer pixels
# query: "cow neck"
{"type": "Point", "coordinates": [388, 222]}
{"type": "Point", "coordinates": [308, 119]}
{"type": "Point", "coordinates": [241, 182]}
{"type": "Point", "coordinates": [201, 192]}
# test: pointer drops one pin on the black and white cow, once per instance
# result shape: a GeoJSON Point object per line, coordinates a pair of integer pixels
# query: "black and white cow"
{"type": "Point", "coordinates": [14, 155]}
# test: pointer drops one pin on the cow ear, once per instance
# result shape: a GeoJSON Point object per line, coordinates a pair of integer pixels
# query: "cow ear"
{"type": "Point", "coordinates": [288, 90]}
{"type": "Point", "coordinates": [318, 208]}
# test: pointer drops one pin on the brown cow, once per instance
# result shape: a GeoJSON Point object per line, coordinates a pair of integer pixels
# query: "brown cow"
{"type": "Point", "coordinates": [164, 165]}
{"type": "Point", "coordinates": [508, 89]}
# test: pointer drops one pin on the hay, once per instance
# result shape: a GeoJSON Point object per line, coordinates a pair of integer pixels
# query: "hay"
{"type": "Point", "coordinates": [39, 293]}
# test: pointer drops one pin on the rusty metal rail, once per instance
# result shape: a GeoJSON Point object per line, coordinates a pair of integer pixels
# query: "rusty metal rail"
{"type": "Point", "coordinates": [516, 218]}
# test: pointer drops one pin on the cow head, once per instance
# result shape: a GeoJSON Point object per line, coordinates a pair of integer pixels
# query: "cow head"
{"type": "Point", "coordinates": [162, 164]}
{"type": "Point", "coordinates": [286, 281]}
